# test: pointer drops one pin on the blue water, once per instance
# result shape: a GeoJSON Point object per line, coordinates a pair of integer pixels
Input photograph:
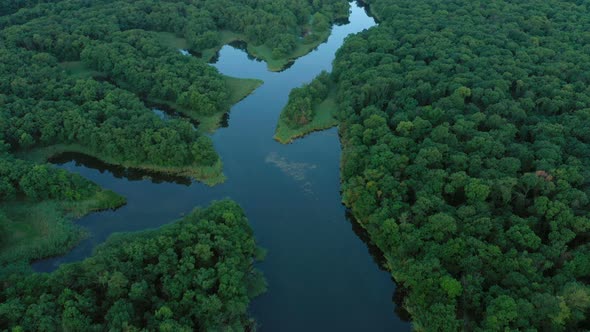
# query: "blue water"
{"type": "Point", "coordinates": [320, 273]}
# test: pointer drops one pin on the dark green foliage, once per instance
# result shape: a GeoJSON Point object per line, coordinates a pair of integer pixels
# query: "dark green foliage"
{"type": "Point", "coordinates": [21, 179]}
{"type": "Point", "coordinates": [135, 59]}
{"type": "Point", "coordinates": [65, 27]}
{"type": "Point", "coordinates": [300, 109]}
{"type": "Point", "coordinates": [43, 106]}
{"type": "Point", "coordinates": [194, 275]}
{"type": "Point", "coordinates": [467, 158]}
{"type": "Point", "coordinates": [75, 74]}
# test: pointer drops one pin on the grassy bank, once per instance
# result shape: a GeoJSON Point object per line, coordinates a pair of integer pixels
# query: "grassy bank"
{"type": "Point", "coordinates": [225, 37]}
{"type": "Point", "coordinates": [323, 119]}
{"type": "Point", "coordinates": [210, 175]}
{"type": "Point", "coordinates": [240, 88]}
{"type": "Point", "coordinates": [35, 230]}
{"type": "Point", "coordinates": [263, 52]}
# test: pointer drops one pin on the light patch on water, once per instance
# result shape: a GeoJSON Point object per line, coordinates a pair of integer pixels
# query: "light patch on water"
{"type": "Point", "coordinates": [296, 171]}
{"type": "Point", "coordinates": [184, 52]}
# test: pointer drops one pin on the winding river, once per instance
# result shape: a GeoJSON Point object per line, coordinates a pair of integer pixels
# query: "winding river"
{"type": "Point", "coordinates": [321, 274]}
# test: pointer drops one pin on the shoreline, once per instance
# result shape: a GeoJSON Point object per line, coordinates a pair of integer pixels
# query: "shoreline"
{"type": "Point", "coordinates": [324, 119]}
{"type": "Point", "coordinates": [262, 52]}
{"type": "Point", "coordinates": [59, 217]}
{"type": "Point", "coordinates": [209, 175]}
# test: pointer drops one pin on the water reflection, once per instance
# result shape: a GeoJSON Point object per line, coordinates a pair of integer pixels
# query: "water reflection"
{"type": "Point", "coordinates": [224, 122]}
{"type": "Point", "coordinates": [399, 296]}
{"type": "Point", "coordinates": [400, 292]}
{"type": "Point", "coordinates": [367, 9]}
{"type": "Point", "coordinates": [243, 46]}
{"type": "Point", "coordinates": [119, 172]}
{"type": "Point", "coordinates": [166, 112]}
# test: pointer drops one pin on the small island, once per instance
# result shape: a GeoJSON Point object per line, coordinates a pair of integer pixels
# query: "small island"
{"type": "Point", "coordinates": [310, 108]}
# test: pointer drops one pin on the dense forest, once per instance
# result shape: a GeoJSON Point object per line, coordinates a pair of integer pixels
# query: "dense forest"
{"type": "Point", "coordinates": [80, 76]}
{"type": "Point", "coordinates": [465, 138]}
{"type": "Point", "coordinates": [35, 203]}
{"type": "Point", "coordinates": [196, 274]}
{"type": "Point", "coordinates": [467, 158]}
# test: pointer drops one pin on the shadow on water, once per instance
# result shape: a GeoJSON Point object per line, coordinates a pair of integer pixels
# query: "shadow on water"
{"type": "Point", "coordinates": [288, 65]}
{"type": "Point", "coordinates": [224, 123]}
{"type": "Point", "coordinates": [400, 292]}
{"type": "Point", "coordinates": [367, 9]}
{"type": "Point", "coordinates": [119, 172]}
{"type": "Point", "coordinates": [239, 45]}
{"type": "Point", "coordinates": [341, 21]}
{"type": "Point", "coordinates": [166, 112]}
{"type": "Point", "coordinates": [243, 46]}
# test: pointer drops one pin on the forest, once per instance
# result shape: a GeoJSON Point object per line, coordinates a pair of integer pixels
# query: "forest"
{"type": "Point", "coordinates": [195, 274]}
{"type": "Point", "coordinates": [82, 77]}
{"type": "Point", "coordinates": [466, 157]}
{"type": "Point", "coordinates": [79, 76]}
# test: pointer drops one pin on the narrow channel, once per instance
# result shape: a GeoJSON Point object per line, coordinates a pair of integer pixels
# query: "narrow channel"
{"type": "Point", "coordinates": [320, 273]}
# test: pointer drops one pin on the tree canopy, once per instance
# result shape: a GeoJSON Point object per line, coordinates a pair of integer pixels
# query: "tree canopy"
{"type": "Point", "coordinates": [193, 275]}
{"type": "Point", "coordinates": [466, 157]}
{"type": "Point", "coordinates": [80, 76]}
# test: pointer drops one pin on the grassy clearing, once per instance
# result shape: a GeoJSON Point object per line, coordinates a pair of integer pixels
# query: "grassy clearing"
{"type": "Point", "coordinates": [210, 175]}
{"type": "Point", "coordinates": [324, 119]}
{"type": "Point", "coordinates": [33, 230]}
{"type": "Point", "coordinates": [241, 88]}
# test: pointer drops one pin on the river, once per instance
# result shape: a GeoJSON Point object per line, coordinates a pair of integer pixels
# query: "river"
{"type": "Point", "coordinates": [321, 274]}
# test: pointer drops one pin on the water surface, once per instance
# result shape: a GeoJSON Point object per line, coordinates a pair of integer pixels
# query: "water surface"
{"type": "Point", "coordinates": [321, 275]}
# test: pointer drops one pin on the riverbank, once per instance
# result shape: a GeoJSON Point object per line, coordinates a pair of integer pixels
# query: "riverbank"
{"type": "Point", "coordinates": [260, 52]}
{"type": "Point", "coordinates": [45, 229]}
{"type": "Point", "coordinates": [209, 175]}
{"type": "Point", "coordinates": [141, 278]}
{"type": "Point", "coordinates": [287, 201]}
{"type": "Point", "coordinates": [240, 88]}
{"type": "Point", "coordinates": [323, 119]}
{"type": "Point", "coordinates": [263, 52]}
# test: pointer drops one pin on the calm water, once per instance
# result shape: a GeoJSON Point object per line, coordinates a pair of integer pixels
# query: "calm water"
{"type": "Point", "coordinates": [321, 274]}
